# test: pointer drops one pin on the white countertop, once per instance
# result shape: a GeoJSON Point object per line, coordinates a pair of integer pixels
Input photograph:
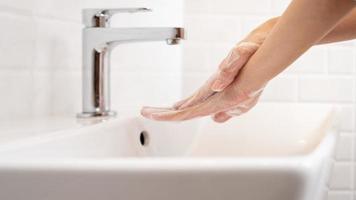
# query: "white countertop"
{"type": "Point", "coordinates": [23, 129]}
{"type": "Point", "coordinates": [15, 130]}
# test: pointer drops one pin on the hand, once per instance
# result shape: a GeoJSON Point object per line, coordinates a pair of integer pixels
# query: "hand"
{"type": "Point", "coordinates": [232, 101]}
{"type": "Point", "coordinates": [205, 100]}
{"type": "Point", "coordinates": [229, 69]}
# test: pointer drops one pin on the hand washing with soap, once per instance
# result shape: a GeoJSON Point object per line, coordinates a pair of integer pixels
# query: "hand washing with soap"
{"type": "Point", "coordinates": [267, 51]}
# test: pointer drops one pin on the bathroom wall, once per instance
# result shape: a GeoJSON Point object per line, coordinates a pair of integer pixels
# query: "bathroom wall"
{"type": "Point", "coordinates": [326, 74]}
{"type": "Point", "coordinates": [40, 57]}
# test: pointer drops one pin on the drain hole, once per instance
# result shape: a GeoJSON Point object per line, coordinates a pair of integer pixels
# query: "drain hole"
{"type": "Point", "coordinates": [144, 138]}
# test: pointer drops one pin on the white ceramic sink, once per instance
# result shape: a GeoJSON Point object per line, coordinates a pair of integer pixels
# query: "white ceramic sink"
{"type": "Point", "coordinates": [275, 152]}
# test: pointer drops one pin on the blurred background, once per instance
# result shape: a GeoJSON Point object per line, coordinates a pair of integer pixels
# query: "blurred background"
{"type": "Point", "coordinates": [40, 63]}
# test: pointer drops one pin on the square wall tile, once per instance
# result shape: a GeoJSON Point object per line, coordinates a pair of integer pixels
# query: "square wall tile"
{"type": "Point", "coordinates": [282, 88]}
{"type": "Point", "coordinates": [196, 6]}
{"type": "Point", "coordinates": [18, 6]}
{"type": "Point", "coordinates": [58, 45]}
{"type": "Point", "coordinates": [346, 117]}
{"type": "Point", "coordinates": [42, 91]}
{"type": "Point", "coordinates": [17, 42]}
{"type": "Point", "coordinates": [341, 59]}
{"type": "Point", "coordinates": [354, 170]}
{"type": "Point", "coordinates": [65, 93]}
{"type": "Point", "coordinates": [208, 28]}
{"type": "Point", "coordinates": [327, 89]}
{"type": "Point", "coordinates": [344, 147]}
{"type": "Point", "coordinates": [164, 13]}
{"type": "Point", "coordinates": [313, 61]}
{"type": "Point", "coordinates": [341, 176]}
{"type": "Point", "coordinates": [239, 6]}
{"type": "Point", "coordinates": [67, 10]}
{"type": "Point", "coordinates": [195, 57]}
{"type": "Point", "coordinates": [340, 195]}
{"type": "Point", "coordinates": [16, 98]}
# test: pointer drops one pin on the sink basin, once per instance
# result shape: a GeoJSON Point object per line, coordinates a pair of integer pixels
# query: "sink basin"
{"type": "Point", "coordinates": [275, 152]}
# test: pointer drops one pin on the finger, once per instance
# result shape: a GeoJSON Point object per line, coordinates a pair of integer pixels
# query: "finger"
{"type": "Point", "coordinates": [147, 111]}
{"type": "Point", "coordinates": [203, 93]}
{"type": "Point", "coordinates": [241, 49]}
{"type": "Point", "coordinates": [218, 102]}
{"type": "Point", "coordinates": [180, 103]}
{"type": "Point", "coordinates": [232, 64]}
{"type": "Point", "coordinates": [212, 105]}
{"type": "Point", "coordinates": [221, 117]}
{"type": "Point", "coordinates": [224, 77]}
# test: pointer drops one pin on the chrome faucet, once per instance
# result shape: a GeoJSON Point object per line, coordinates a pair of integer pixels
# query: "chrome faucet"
{"type": "Point", "coordinates": [98, 41]}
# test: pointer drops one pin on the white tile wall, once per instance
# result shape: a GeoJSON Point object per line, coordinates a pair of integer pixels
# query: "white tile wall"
{"type": "Point", "coordinates": [325, 74]}
{"type": "Point", "coordinates": [40, 57]}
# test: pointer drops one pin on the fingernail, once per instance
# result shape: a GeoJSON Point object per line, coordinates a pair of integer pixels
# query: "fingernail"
{"type": "Point", "coordinates": [248, 44]}
{"type": "Point", "coordinates": [235, 112]}
{"type": "Point", "coordinates": [217, 86]}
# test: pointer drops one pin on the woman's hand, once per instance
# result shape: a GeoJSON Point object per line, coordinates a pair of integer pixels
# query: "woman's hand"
{"type": "Point", "coordinates": [302, 25]}
{"type": "Point", "coordinates": [226, 73]}
{"type": "Point", "coordinates": [218, 96]}
{"type": "Point", "coordinates": [234, 100]}
{"type": "Point", "coordinates": [229, 69]}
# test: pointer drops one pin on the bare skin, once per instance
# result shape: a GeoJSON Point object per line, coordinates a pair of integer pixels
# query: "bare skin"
{"type": "Point", "coordinates": [262, 55]}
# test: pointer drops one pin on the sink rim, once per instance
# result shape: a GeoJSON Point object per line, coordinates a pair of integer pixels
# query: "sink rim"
{"type": "Point", "coordinates": [326, 147]}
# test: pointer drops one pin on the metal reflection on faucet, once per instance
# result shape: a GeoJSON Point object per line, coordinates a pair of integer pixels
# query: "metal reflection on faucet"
{"type": "Point", "coordinates": [98, 41]}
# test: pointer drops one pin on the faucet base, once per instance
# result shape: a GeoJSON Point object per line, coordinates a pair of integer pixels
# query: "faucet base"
{"type": "Point", "coordinates": [96, 114]}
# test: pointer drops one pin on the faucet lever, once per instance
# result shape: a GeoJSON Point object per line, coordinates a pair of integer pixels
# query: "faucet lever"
{"type": "Point", "coordinates": [101, 17]}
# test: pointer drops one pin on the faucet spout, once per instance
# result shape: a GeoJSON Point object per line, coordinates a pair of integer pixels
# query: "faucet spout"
{"type": "Point", "coordinates": [94, 37]}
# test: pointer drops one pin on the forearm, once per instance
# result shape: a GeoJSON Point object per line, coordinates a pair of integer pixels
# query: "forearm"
{"type": "Point", "coordinates": [304, 24]}
{"type": "Point", "coordinates": [344, 30]}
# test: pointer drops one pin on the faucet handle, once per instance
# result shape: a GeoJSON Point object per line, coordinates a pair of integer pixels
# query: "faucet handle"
{"type": "Point", "coordinates": [100, 17]}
